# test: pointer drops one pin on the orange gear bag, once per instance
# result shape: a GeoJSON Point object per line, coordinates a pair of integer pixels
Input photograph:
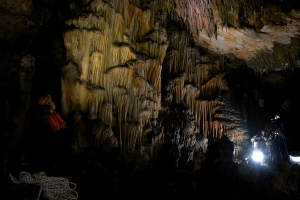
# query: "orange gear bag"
{"type": "Point", "coordinates": [56, 122]}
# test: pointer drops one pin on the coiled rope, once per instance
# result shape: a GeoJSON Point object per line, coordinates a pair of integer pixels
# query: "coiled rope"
{"type": "Point", "coordinates": [54, 188]}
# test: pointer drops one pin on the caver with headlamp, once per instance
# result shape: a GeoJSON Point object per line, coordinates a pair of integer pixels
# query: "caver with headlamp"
{"type": "Point", "coordinates": [260, 149]}
{"type": "Point", "coordinates": [277, 142]}
{"type": "Point", "coordinates": [270, 149]}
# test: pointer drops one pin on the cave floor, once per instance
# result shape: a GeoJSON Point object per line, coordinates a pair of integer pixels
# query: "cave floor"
{"type": "Point", "coordinates": [215, 180]}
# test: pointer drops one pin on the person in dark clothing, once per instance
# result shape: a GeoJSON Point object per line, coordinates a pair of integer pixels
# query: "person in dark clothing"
{"type": "Point", "coordinates": [56, 133]}
{"type": "Point", "coordinates": [288, 116]}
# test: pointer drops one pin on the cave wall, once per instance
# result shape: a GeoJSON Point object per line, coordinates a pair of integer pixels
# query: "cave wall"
{"type": "Point", "coordinates": [137, 70]}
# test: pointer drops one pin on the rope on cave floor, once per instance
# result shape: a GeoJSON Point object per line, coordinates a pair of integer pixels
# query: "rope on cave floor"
{"type": "Point", "coordinates": [54, 188]}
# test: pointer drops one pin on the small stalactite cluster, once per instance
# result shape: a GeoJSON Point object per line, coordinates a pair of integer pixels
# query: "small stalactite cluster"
{"type": "Point", "coordinates": [176, 89]}
{"type": "Point", "coordinates": [196, 14]}
{"type": "Point", "coordinates": [236, 12]}
{"type": "Point", "coordinates": [131, 138]}
{"type": "Point", "coordinates": [211, 88]}
{"type": "Point", "coordinates": [204, 118]}
{"type": "Point", "coordinates": [177, 56]}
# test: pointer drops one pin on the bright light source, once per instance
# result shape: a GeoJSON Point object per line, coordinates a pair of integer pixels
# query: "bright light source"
{"type": "Point", "coordinates": [257, 156]}
{"type": "Point", "coordinates": [295, 159]}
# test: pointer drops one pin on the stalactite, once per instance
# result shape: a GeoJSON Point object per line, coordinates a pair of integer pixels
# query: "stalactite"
{"type": "Point", "coordinates": [197, 14]}
{"type": "Point", "coordinates": [178, 57]}
{"type": "Point", "coordinates": [105, 112]}
{"type": "Point", "coordinates": [131, 136]}
{"type": "Point", "coordinates": [150, 70]}
{"type": "Point", "coordinates": [191, 93]}
{"type": "Point", "coordinates": [120, 77]}
{"type": "Point", "coordinates": [204, 112]}
{"type": "Point", "coordinates": [177, 88]}
{"type": "Point", "coordinates": [218, 129]}
{"type": "Point", "coordinates": [193, 62]}
{"type": "Point", "coordinates": [212, 87]}
{"type": "Point", "coordinates": [122, 108]}
{"type": "Point", "coordinates": [156, 146]}
{"type": "Point", "coordinates": [119, 55]}
{"type": "Point", "coordinates": [138, 21]}
{"type": "Point", "coordinates": [96, 70]}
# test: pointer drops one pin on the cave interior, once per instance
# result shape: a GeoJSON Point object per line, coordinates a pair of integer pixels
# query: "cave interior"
{"type": "Point", "coordinates": [162, 98]}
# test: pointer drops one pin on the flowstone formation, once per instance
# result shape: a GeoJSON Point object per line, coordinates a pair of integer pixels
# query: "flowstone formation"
{"type": "Point", "coordinates": [115, 52]}
{"type": "Point", "coordinates": [139, 75]}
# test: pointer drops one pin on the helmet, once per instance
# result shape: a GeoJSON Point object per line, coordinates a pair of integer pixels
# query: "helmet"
{"type": "Point", "coordinates": [45, 100]}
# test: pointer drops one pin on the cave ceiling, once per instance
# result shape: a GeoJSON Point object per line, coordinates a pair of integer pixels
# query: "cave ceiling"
{"type": "Point", "coordinates": [243, 28]}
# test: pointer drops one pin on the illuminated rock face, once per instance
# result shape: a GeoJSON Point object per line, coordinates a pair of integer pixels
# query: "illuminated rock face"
{"type": "Point", "coordinates": [115, 59]}
{"type": "Point", "coordinates": [245, 28]}
{"type": "Point", "coordinates": [128, 71]}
